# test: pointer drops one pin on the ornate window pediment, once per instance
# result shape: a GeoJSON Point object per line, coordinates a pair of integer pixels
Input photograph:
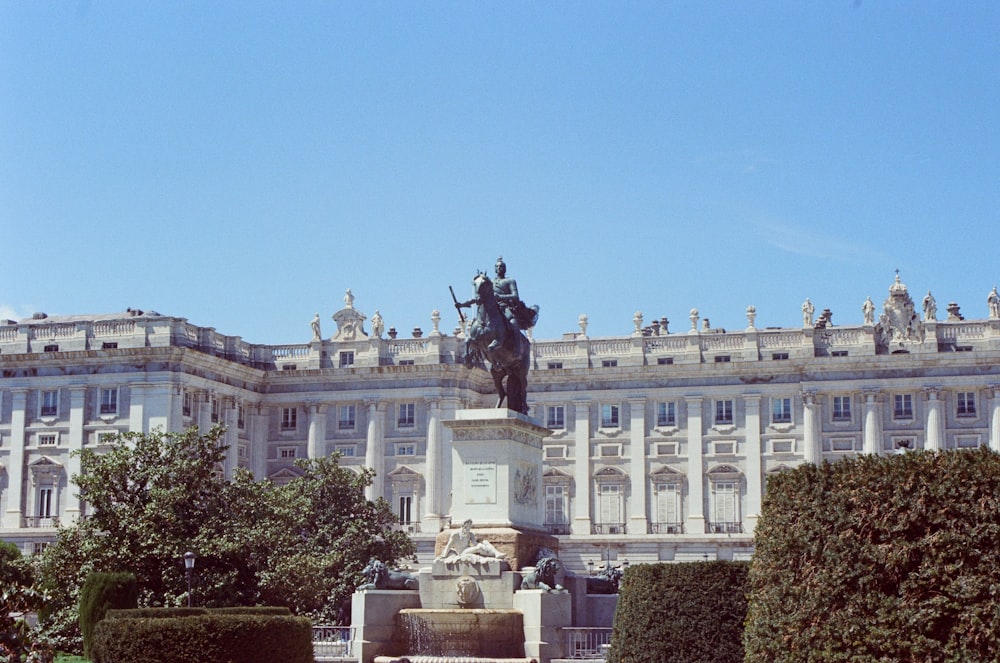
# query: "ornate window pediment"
{"type": "Point", "coordinates": [554, 476]}
{"type": "Point", "coordinates": [723, 473]}
{"type": "Point", "coordinates": [45, 470]}
{"type": "Point", "coordinates": [610, 475]}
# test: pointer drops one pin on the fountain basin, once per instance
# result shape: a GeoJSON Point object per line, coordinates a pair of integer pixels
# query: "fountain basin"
{"type": "Point", "coordinates": [476, 632]}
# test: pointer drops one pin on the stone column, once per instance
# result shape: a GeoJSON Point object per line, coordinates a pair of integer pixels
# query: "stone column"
{"type": "Point", "coordinates": [77, 416]}
{"type": "Point", "coordinates": [374, 456]}
{"type": "Point", "coordinates": [638, 523]}
{"type": "Point", "coordinates": [811, 417]}
{"type": "Point", "coordinates": [872, 429]}
{"type": "Point", "coordinates": [137, 407]}
{"type": "Point", "coordinates": [934, 420]}
{"type": "Point", "coordinates": [581, 468]}
{"type": "Point", "coordinates": [432, 473]}
{"type": "Point", "coordinates": [15, 469]}
{"type": "Point", "coordinates": [317, 430]}
{"type": "Point", "coordinates": [203, 406]}
{"type": "Point", "coordinates": [994, 403]}
{"type": "Point", "coordinates": [176, 409]}
{"type": "Point", "coordinates": [755, 487]}
{"type": "Point", "coordinates": [258, 440]}
{"type": "Point", "coordinates": [695, 523]}
{"type": "Point", "coordinates": [231, 438]}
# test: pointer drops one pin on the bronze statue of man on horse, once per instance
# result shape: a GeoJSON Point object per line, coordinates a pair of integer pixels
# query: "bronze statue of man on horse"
{"type": "Point", "coordinates": [496, 335]}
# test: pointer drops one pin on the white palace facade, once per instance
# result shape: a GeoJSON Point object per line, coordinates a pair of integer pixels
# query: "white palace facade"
{"type": "Point", "coordinates": [661, 441]}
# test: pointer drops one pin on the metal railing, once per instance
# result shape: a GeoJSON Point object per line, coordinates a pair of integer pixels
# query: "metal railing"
{"type": "Point", "coordinates": [585, 643]}
{"type": "Point", "coordinates": [330, 641]}
{"type": "Point", "coordinates": [39, 521]}
{"type": "Point", "coordinates": [666, 528]}
{"type": "Point", "coordinates": [724, 528]}
{"type": "Point", "coordinates": [558, 528]}
{"type": "Point", "coordinates": [607, 528]}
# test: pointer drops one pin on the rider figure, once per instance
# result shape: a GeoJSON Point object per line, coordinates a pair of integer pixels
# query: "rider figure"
{"type": "Point", "coordinates": [505, 291]}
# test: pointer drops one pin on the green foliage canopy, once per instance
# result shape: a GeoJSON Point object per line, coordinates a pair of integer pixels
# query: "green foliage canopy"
{"type": "Point", "coordinates": [879, 559]}
{"type": "Point", "coordinates": [154, 496]}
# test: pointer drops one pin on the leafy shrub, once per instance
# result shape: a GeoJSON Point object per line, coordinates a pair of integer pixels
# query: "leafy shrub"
{"type": "Point", "coordinates": [878, 559]}
{"type": "Point", "coordinates": [100, 592]}
{"type": "Point", "coordinates": [680, 613]}
{"type": "Point", "coordinates": [221, 638]}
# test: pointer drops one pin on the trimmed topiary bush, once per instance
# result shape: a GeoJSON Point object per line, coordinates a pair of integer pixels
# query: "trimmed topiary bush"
{"type": "Point", "coordinates": [680, 613]}
{"type": "Point", "coordinates": [101, 592]}
{"type": "Point", "coordinates": [879, 559]}
{"type": "Point", "coordinates": [220, 638]}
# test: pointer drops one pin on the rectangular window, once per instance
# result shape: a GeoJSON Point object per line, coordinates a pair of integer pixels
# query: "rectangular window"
{"type": "Point", "coordinates": [966, 404]}
{"type": "Point", "coordinates": [109, 345]}
{"type": "Point", "coordinates": [406, 362]}
{"type": "Point", "coordinates": [902, 406]}
{"type": "Point", "coordinates": [408, 449]}
{"type": "Point", "coordinates": [109, 401]}
{"type": "Point", "coordinates": [723, 359]}
{"type": "Point", "coordinates": [841, 408]}
{"type": "Point", "coordinates": [555, 365]}
{"type": "Point", "coordinates": [215, 409]}
{"type": "Point", "coordinates": [843, 444]}
{"type": "Point", "coordinates": [609, 363]}
{"type": "Point", "coordinates": [347, 358]}
{"type": "Point", "coordinates": [241, 414]}
{"type": "Point", "coordinates": [407, 415]}
{"type": "Point", "coordinates": [666, 414]}
{"type": "Point", "coordinates": [779, 356]}
{"type": "Point", "coordinates": [555, 505]}
{"type": "Point", "coordinates": [405, 506]}
{"type": "Point", "coordinates": [556, 417]}
{"type": "Point", "coordinates": [52, 348]}
{"type": "Point", "coordinates": [347, 450]}
{"type": "Point", "coordinates": [50, 404]}
{"type": "Point", "coordinates": [107, 437]}
{"type": "Point", "coordinates": [664, 361]}
{"type": "Point", "coordinates": [726, 507]}
{"type": "Point", "coordinates": [966, 441]}
{"type": "Point", "coordinates": [289, 367]}
{"type": "Point", "coordinates": [186, 404]}
{"type": "Point", "coordinates": [555, 451]}
{"type": "Point", "coordinates": [724, 412]}
{"type": "Point", "coordinates": [781, 410]}
{"type": "Point", "coordinates": [610, 508]}
{"type": "Point", "coordinates": [668, 505]}
{"type": "Point", "coordinates": [289, 418]}
{"type": "Point", "coordinates": [44, 502]}
{"type": "Point", "coordinates": [609, 416]}
{"type": "Point", "coordinates": [48, 439]}
{"type": "Point", "coordinates": [839, 353]}
{"type": "Point", "coordinates": [610, 450]}
{"type": "Point", "coordinates": [287, 452]}
{"type": "Point", "coordinates": [242, 452]}
{"type": "Point", "coordinates": [346, 419]}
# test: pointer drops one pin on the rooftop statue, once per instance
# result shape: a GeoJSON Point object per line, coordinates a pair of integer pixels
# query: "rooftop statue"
{"type": "Point", "coordinates": [496, 335]}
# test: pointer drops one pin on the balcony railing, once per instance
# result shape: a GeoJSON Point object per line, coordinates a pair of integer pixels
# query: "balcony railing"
{"type": "Point", "coordinates": [666, 528]}
{"type": "Point", "coordinates": [409, 528]}
{"type": "Point", "coordinates": [607, 528]}
{"type": "Point", "coordinates": [39, 521]}
{"type": "Point", "coordinates": [585, 644]}
{"type": "Point", "coordinates": [724, 528]}
{"type": "Point", "coordinates": [332, 642]}
{"type": "Point", "coordinates": [558, 528]}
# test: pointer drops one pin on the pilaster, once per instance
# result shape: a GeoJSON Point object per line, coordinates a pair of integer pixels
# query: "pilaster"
{"type": "Point", "coordinates": [811, 418]}
{"type": "Point", "coordinates": [755, 487]}
{"type": "Point", "coordinates": [872, 428]}
{"type": "Point", "coordinates": [934, 419]}
{"type": "Point", "coordinates": [77, 409]}
{"type": "Point", "coordinates": [695, 523]}
{"type": "Point", "coordinates": [432, 521]}
{"type": "Point", "coordinates": [638, 522]}
{"type": "Point", "coordinates": [994, 405]}
{"type": "Point", "coordinates": [581, 468]}
{"type": "Point", "coordinates": [15, 471]}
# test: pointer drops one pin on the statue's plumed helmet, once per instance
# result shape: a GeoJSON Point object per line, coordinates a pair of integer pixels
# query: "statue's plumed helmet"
{"type": "Point", "coordinates": [500, 264]}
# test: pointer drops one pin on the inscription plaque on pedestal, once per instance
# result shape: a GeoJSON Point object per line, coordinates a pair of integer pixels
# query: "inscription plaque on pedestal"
{"type": "Point", "coordinates": [481, 482]}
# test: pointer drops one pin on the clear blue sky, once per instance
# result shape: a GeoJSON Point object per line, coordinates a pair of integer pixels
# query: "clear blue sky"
{"type": "Point", "coordinates": [241, 164]}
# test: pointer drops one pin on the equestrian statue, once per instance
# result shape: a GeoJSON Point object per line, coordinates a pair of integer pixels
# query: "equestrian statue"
{"type": "Point", "coordinates": [496, 335]}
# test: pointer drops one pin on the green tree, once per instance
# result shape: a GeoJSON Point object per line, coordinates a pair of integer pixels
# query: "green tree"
{"type": "Point", "coordinates": [878, 559]}
{"type": "Point", "coordinates": [17, 596]}
{"type": "Point", "coordinates": [154, 496]}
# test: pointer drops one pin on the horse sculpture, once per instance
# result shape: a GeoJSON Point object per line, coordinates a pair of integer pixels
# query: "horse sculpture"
{"type": "Point", "coordinates": [493, 338]}
{"type": "Point", "coordinates": [380, 576]}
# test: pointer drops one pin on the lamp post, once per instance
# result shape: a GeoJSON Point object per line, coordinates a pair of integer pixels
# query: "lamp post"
{"type": "Point", "coordinates": [189, 571]}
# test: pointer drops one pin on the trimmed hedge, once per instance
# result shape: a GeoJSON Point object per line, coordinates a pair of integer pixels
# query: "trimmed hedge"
{"type": "Point", "coordinates": [101, 592]}
{"type": "Point", "coordinates": [220, 638]}
{"type": "Point", "coordinates": [191, 612]}
{"type": "Point", "coordinates": [877, 559]}
{"type": "Point", "coordinates": [680, 613]}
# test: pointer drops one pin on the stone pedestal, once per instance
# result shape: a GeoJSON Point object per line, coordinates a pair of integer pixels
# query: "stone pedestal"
{"type": "Point", "coordinates": [545, 614]}
{"type": "Point", "coordinates": [497, 469]}
{"type": "Point", "coordinates": [373, 614]}
{"type": "Point", "coordinates": [495, 583]}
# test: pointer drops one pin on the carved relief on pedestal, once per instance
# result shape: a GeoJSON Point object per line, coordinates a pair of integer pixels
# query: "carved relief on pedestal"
{"type": "Point", "coordinates": [899, 325]}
